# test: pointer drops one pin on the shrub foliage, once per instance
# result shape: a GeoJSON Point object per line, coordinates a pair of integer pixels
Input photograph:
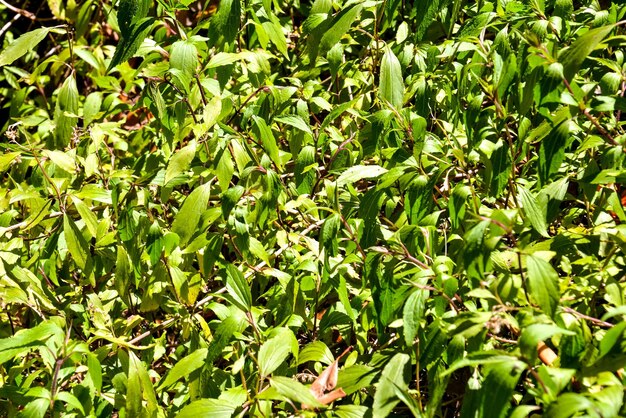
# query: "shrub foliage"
{"type": "Point", "coordinates": [350, 208]}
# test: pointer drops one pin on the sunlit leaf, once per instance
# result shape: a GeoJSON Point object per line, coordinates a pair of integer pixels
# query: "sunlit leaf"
{"type": "Point", "coordinates": [391, 87]}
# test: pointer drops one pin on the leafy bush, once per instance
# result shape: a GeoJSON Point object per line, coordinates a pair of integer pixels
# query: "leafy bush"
{"type": "Point", "coordinates": [417, 207]}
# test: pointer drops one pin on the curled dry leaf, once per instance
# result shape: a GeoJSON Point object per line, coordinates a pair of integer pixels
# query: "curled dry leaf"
{"type": "Point", "coordinates": [326, 381]}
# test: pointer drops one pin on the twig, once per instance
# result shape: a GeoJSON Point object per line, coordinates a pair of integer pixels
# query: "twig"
{"type": "Point", "coordinates": [8, 24]}
{"type": "Point", "coordinates": [162, 325]}
{"type": "Point", "coordinates": [596, 321]}
{"type": "Point", "coordinates": [22, 12]}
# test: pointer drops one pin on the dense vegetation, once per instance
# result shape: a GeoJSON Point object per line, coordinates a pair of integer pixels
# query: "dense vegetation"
{"type": "Point", "coordinates": [350, 208]}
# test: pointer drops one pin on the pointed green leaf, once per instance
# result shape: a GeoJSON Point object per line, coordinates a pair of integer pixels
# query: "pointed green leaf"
{"type": "Point", "coordinates": [87, 215]}
{"type": "Point", "coordinates": [272, 354]}
{"type": "Point", "coordinates": [573, 57]}
{"type": "Point", "coordinates": [123, 272]}
{"type": "Point", "coordinates": [339, 27]}
{"type": "Point", "coordinates": [184, 58]}
{"type": "Point", "coordinates": [61, 160]}
{"type": "Point", "coordinates": [412, 314]}
{"type": "Point", "coordinates": [207, 408]}
{"type": "Point", "coordinates": [184, 367]}
{"type": "Point", "coordinates": [543, 284]}
{"type": "Point", "coordinates": [316, 351]}
{"type": "Point", "coordinates": [495, 394]}
{"type": "Point", "coordinates": [360, 172]}
{"type": "Point", "coordinates": [180, 162]}
{"type": "Point", "coordinates": [128, 45]}
{"type": "Point", "coordinates": [264, 135]}
{"type": "Point", "coordinates": [186, 220]}
{"type": "Point", "coordinates": [238, 288]}
{"type": "Point", "coordinates": [26, 339]}
{"type": "Point", "coordinates": [66, 106]}
{"type": "Point", "coordinates": [391, 87]}
{"type": "Point", "coordinates": [226, 21]}
{"type": "Point", "coordinates": [77, 246]}
{"type": "Point", "coordinates": [535, 214]}
{"type": "Point", "coordinates": [295, 121]}
{"type": "Point", "coordinates": [394, 376]}
{"type": "Point", "coordinates": [22, 45]}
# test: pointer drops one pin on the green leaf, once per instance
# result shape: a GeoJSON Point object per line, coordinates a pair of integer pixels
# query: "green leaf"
{"type": "Point", "coordinates": [6, 160]}
{"type": "Point", "coordinates": [22, 45]}
{"type": "Point", "coordinates": [339, 27]}
{"type": "Point", "coordinates": [87, 215]}
{"type": "Point", "coordinates": [276, 36]}
{"type": "Point", "coordinates": [129, 13]}
{"type": "Point", "coordinates": [329, 233]}
{"type": "Point", "coordinates": [91, 107]}
{"type": "Point", "coordinates": [534, 333]}
{"type": "Point", "coordinates": [226, 22]}
{"type": "Point", "coordinates": [316, 351]}
{"type": "Point", "coordinates": [71, 401]}
{"type": "Point", "coordinates": [426, 14]}
{"type": "Point", "coordinates": [543, 284]}
{"type": "Point", "coordinates": [238, 288]}
{"type": "Point", "coordinates": [128, 45]}
{"type": "Point", "coordinates": [230, 198]}
{"type": "Point", "coordinates": [475, 254]}
{"type": "Point", "coordinates": [497, 389]}
{"type": "Point", "coordinates": [78, 247]}
{"type": "Point", "coordinates": [573, 57]}
{"type": "Point", "coordinates": [184, 58]}
{"type": "Point", "coordinates": [264, 135]}
{"type": "Point", "coordinates": [186, 220]}
{"type": "Point", "coordinates": [61, 160]}
{"type": "Point", "coordinates": [305, 170]}
{"type": "Point", "coordinates": [552, 149]}
{"type": "Point", "coordinates": [221, 338]}
{"type": "Point", "coordinates": [66, 106]}
{"type": "Point", "coordinates": [180, 162]}
{"type": "Point", "coordinates": [139, 388]}
{"type": "Point", "coordinates": [295, 121]}
{"type": "Point", "coordinates": [501, 169]}
{"type": "Point", "coordinates": [207, 408]}
{"type": "Point", "coordinates": [535, 214]}
{"type": "Point", "coordinates": [272, 354]}
{"type": "Point", "coordinates": [394, 377]}
{"type": "Point", "coordinates": [94, 375]}
{"type": "Point", "coordinates": [26, 339]}
{"type": "Point", "coordinates": [391, 88]}
{"type": "Point", "coordinates": [571, 404]}
{"type": "Point", "coordinates": [360, 172]}
{"type": "Point", "coordinates": [183, 368]}
{"type": "Point", "coordinates": [224, 58]}
{"type": "Point", "coordinates": [123, 273]}
{"type": "Point", "coordinates": [412, 314]}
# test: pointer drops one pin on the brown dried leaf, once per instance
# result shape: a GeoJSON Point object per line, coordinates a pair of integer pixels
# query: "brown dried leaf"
{"type": "Point", "coordinates": [332, 396]}
{"type": "Point", "coordinates": [325, 381]}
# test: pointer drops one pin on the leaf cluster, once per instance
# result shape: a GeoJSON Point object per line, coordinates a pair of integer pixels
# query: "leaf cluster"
{"type": "Point", "coordinates": [273, 208]}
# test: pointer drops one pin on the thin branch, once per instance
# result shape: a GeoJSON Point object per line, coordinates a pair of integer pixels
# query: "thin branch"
{"type": "Point", "coordinates": [22, 12]}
